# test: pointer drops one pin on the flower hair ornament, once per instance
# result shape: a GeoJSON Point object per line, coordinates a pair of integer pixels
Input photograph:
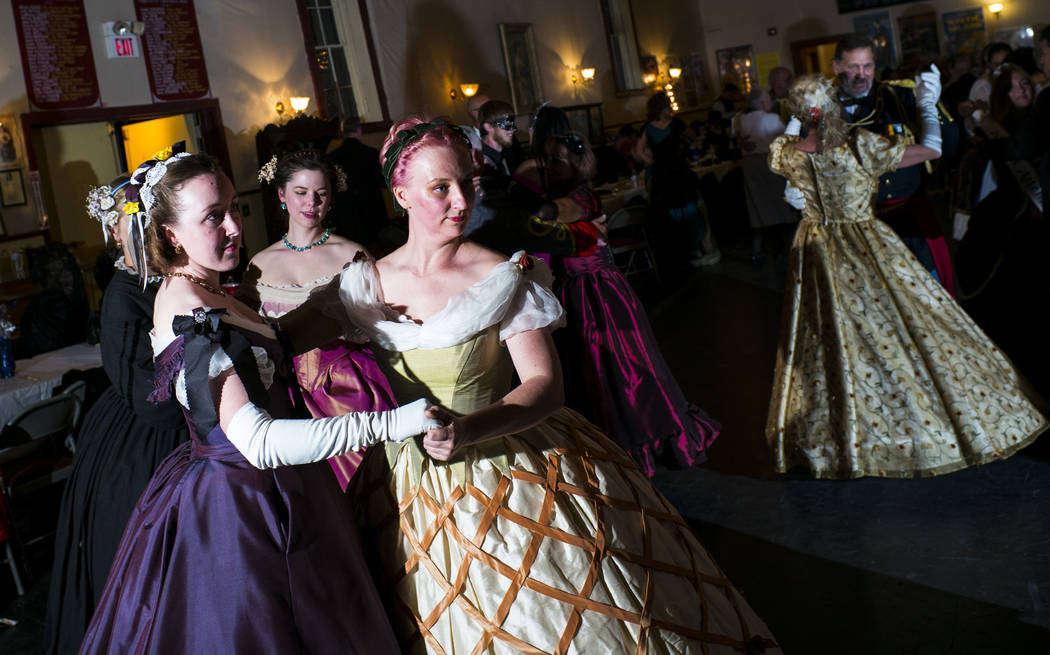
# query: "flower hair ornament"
{"type": "Point", "coordinates": [102, 206]}
{"type": "Point", "coordinates": [268, 172]}
{"type": "Point", "coordinates": [140, 200]}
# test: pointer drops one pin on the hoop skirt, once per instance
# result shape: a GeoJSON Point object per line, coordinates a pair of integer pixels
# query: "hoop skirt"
{"type": "Point", "coordinates": [221, 557]}
{"type": "Point", "coordinates": [879, 372]}
{"type": "Point", "coordinates": [121, 441]}
{"type": "Point", "coordinates": [550, 540]}
{"type": "Point", "coordinates": [337, 378]}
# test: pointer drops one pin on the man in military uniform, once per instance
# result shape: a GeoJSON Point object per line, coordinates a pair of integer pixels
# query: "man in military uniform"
{"type": "Point", "coordinates": [889, 108]}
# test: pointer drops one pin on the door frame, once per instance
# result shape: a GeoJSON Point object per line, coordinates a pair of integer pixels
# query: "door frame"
{"type": "Point", "coordinates": [213, 135]}
{"type": "Point", "coordinates": [797, 47]}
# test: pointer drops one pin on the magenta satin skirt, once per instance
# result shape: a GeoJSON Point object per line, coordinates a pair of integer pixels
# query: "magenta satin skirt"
{"type": "Point", "coordinates": [615, 373]}
{"type": "Point", "coordinates": [338, 378]}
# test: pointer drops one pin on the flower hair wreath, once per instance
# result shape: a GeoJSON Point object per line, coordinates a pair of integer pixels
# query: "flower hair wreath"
{"type": "Point", "coordinates": [268, 171]}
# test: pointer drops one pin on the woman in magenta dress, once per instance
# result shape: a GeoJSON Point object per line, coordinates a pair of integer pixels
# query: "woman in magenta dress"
{"type": "Point", "coordinates": [614, 372]}
{"type": "Point", "coordinates": [242, 542]}
{"type": "Point", "coordinates": [340, 376]}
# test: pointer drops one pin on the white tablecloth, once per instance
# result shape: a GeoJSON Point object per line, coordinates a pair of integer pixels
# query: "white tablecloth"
{"type": "Point", "coordinates": [35, 378]}
{"type": "Point", "coordinates": [616, 195]}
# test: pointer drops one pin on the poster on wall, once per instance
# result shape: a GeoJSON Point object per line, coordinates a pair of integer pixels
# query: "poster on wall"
{"type": "Point", "coordinates": [56, 53]}
{"type": "Point", "coordinates": [523, 74]}
{"type": "Point", "coordinates": [879, 28]}
{"type": "Point", "coordinates": [171, 46]}
{"type": "Point", "coordinates": [918, 36]}
{"type": "Point", "coordinates": [737, 66]}
{"type": "Point", "coordinates": [964, 31]}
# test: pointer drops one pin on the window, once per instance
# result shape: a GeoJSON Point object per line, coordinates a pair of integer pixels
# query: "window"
{"type": "Point", "coordinates": [345, 79]}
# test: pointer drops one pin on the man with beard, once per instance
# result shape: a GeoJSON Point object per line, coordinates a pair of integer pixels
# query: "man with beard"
{"type": "Point", "coordinates": [889, 108]}
{"type": "Point", "coordinates": [496, 119]}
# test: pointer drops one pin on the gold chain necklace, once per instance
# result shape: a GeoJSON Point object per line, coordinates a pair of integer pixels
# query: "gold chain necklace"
{"type": "Point", "coordinates": [199, 282]}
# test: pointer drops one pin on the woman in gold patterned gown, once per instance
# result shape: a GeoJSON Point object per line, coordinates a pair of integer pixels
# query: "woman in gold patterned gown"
{"type": "Point", "coordinates": [879, 371]}
{"type": "Point", "coordinates": [519, 528]}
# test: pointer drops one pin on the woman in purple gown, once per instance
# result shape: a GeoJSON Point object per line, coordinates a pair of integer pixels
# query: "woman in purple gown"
{"type": "Point", "coordinates": [615, 374]}
{"type": "Point", "coordinates": [340, 376]}
{"type": "Point", "coordinates": [242, 541]}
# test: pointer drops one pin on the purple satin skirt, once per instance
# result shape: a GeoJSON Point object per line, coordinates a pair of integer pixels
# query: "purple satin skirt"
{"type": "Point", "coordinates": [339, 378]}
{"type": "Point", "coordinates": [221, 557]}
{"type": "Point", "coordinates": [615, 373]}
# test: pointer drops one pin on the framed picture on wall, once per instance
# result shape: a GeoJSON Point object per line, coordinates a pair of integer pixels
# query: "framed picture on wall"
{"type": "Point", "coordinates": [737, 66]}
{"type": "Point", "coordinates": [918, 34]}
{"type": "Point", "coordinates": [879, 28]}
{"type": "Point", "coordinates": [12, 188]}
{"type": "Point", "coordinates": [523, 73]}
{"type": "Point", "coordinates": [8, 140]}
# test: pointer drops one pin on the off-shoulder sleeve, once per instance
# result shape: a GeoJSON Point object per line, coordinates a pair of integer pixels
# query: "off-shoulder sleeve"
{"type": "Point", "coordinates": [533, 306]}
{"type": "Point", "coordinates": [878, 154]}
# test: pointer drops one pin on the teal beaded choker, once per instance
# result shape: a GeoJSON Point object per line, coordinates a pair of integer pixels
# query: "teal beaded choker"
{"type": "Point", "coordinates": [290, 246]}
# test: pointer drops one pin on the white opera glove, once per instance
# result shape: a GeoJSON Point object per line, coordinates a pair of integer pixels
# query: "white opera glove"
{"type": "Point", "coordinates": [794, 127]}
{"type": "Point", "coordinates": [927, 93]}
{"type": "Point", "coordinates": [794, 197]}
{"type": "Point", "coordinates": [268, 443]}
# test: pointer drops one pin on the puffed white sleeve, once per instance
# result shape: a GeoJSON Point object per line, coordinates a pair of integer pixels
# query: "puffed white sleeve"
{"type": "Point", "coordinates": [534, 306]}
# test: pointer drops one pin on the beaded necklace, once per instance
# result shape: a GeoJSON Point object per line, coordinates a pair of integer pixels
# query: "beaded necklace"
{"type": "Point", "coordinates": [290, 246]}
{"type": "Point", "coordinates": [199, 282]}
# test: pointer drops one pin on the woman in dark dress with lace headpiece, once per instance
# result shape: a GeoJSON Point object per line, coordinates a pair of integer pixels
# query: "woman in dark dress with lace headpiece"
{"type": "Point", "coordinates": [122, 439]}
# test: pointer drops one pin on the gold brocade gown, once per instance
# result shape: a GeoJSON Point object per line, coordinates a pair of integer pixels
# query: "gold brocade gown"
{"type": "Point", "coordinates": [879, 371]}
{"type": "Point", "coordinates": [549, 541]}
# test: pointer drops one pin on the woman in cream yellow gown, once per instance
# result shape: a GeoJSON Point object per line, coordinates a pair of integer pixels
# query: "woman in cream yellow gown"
{"type": "Point", "coordinates": [879, 372]}
{"type": "Point", "coordinates": [519, 528]}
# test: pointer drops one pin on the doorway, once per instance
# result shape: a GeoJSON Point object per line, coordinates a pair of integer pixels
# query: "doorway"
{"type": "Point", "coordinates": [71, 151]}
{"type": "Point", "coordinates": [815, 55]}
{"type": "Point", "coordinates": [143, 138]}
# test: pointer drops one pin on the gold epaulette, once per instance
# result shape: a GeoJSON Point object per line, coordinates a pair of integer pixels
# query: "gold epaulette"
{"type": "Point", "coordinates": [907, 84]}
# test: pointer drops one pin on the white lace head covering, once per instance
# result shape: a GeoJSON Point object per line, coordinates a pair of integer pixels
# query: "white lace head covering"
{"type": "Point", "coordinates": [139, 195]}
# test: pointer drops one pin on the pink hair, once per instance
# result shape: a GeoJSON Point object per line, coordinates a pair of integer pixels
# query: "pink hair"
{"type": "Point", "coordinates": [442, 135]}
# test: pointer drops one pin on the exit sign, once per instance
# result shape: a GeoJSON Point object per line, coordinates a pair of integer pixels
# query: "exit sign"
{"type": "Point", "coordinates": [121, 47]}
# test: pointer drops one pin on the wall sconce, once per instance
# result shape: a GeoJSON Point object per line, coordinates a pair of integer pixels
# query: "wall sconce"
{"type": "Point", "coordinates": [299, 103]}
{"type": "Point", "coordinates": [468, 90]}
{"type": "Point", "coordinates": [675, 73]}
{"type": "Point", "coordinates": [586, 76]}
{"type": "Point", "coordinates": [996, 9]}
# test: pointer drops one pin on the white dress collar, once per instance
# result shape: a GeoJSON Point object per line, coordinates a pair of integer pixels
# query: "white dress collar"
{"type": "Point", "coordinates": [494, 299]}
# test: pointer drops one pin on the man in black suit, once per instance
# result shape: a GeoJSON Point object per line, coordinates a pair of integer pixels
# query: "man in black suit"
{"type": "Point", "coordinates": [358, 213]}
{"type": "Point", "coordinates": [890, 108]}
